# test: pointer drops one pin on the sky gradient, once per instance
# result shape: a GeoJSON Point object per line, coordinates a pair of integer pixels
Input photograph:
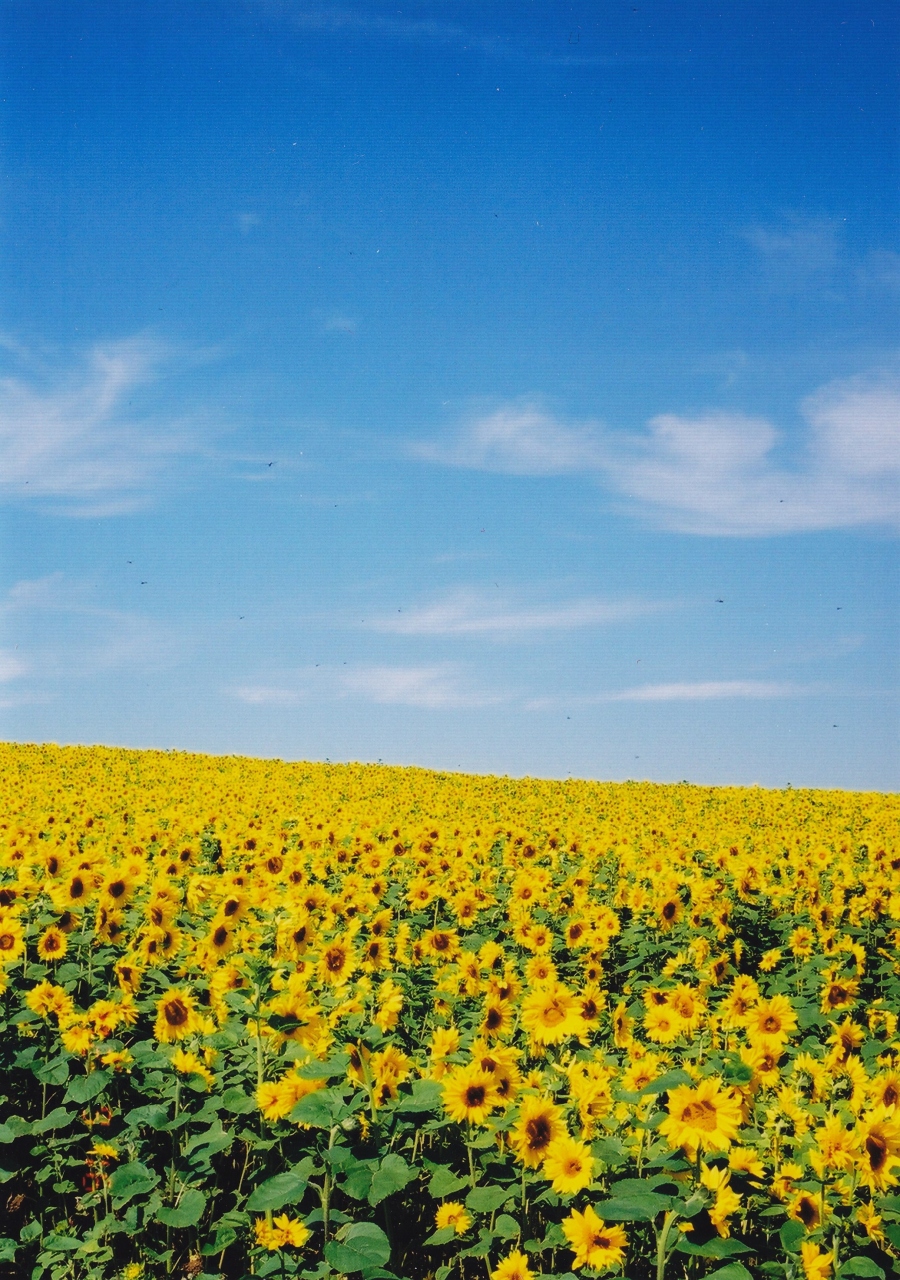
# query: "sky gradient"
{"type": "Point", "coordinates": [506, 387]}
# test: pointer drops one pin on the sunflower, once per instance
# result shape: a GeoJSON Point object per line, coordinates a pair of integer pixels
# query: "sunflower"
{"type": "Point", "coordinates": [816, 1264]}
{"type": "Point", "coordinates": [336, 964]}
{"type": "Point", "coordinates": [878, 1139]}
{"type": "Point", "coordinates": [772, 1019]}
{"type": "Point", "coordinates": [52, 944]}
{"type": "Point", "coordinates": [569, 1165]}
{"type": "Point", "coordinates": [539, 1125]}
{"type": "Point", "coordinates": [662, 1024]}
{"type": "Point", "coordinates": [594, 1243]}
{"type": "Point", "coordinates": [498, 1018]}
{"type": "Point", "coordinates": [470, 1094]}
{"type": "Point", "coordinates": [12, 940]}
{"type": "Point", "coordinates": [513, 1267]}
{"type": "Point", "coordinates": [176, 1016]}
{"type": "Point", "coordinates": [707, 1116]}
{"type": "Point", "coordinates": [453, 1214]}
{"type": "Point", "coordinates": [551, 1014]}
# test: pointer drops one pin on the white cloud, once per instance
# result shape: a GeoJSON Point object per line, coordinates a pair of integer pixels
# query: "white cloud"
{"type": "Point", "coordinates": [717, 473]}
{"type": "Point", "coordinates": [59, 633]}
{"type": "Point", "coordinates": [75, 439]}
{"type": "Point", "coordinates": [705, 691]}
{"type": "Point", "coordinates": [518, 439]}
{"type": "Point", "coordinates": [341, 324]}
{"type": "Point", "coordinates": [11, 666]}
{"type": "Point", "coordinates": [468, 613]}
{"type": "Point", "coordinates": [799, 255]}
{"type": "Point", "coordinates": [438, 686]}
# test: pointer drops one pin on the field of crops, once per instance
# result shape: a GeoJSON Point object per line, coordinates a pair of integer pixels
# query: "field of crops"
{"type": "Point", "coordinates": [325, 1020]}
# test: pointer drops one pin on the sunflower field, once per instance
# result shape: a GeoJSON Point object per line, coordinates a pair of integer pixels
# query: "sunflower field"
{"type": "Point", "coordinates": [348, 1020]}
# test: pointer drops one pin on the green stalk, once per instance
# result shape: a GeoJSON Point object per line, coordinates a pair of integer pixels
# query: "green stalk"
{"type": "Point", "coordinates": [662, 1240]}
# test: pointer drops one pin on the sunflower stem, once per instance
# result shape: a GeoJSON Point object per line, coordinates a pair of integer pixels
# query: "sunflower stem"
{"type": "Point", "coordinates": [662, 1240]}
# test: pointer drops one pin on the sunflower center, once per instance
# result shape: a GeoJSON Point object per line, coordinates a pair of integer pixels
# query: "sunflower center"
{"type": "Point", "coordinates": [876, 1150]}
{"type": "Point", "coordinates": [493, 1020]}
{"type": "Point", "coordinates": [334, 960]}
{"type": "Point", "coordinates": [117, 888]}
{"type": "Point", "coordinates": [220, 937]}
{"type": "Point", "coordinates": [176, 1013]}
{"type": "Point", "coordinates": [7, 941]}
{"type": "Point", "coordinates": [700, 1115]}
{"type": "Point", "coordinates": [475, 1095]}
{"type": "Point", "coordinates": [538, 1132]}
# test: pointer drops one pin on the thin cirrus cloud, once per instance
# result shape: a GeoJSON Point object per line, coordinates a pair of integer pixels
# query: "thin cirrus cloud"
{"type": "Point", "coordinates": [683, 691]}
{"type": "Point", "coordinates": [716, 473]}
{"type": "Point", "coordinates": [468, 613]}
{"type": "Point", "coordinates": [55, 631]}
{"type": "Point", "coordinates": [71, 440]}
{"type": "Point", "coordinates": [438, 686]}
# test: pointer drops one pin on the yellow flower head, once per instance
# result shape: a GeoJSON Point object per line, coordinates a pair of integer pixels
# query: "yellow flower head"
{"type": "Point", "coordinates": [595, 1244]}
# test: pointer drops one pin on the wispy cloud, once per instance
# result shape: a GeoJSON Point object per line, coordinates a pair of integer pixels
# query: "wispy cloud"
{"type": "Point", "coordinates": [706, 691]}
{"type": "Point", "coordinates": [715, 473]}
{"type": "Point", "coordinates": [517, 439]}
{"type": "Point", "coordinates": [471, 613]}
{"type": "Point", "coordinates": [82, 439]}
{"type": "Point", "coordinates": [682, 691]}
{"type": "Point", "coordinates": [437, 686]}
{"type": "Point", "coordinates": [799, 255]}
{"type": "Point", "coordinates": [55, 631]}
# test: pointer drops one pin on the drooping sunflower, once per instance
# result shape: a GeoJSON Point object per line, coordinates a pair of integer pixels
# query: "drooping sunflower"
{"type": "Point", "coordinates": [707, 1116]}
{"type": "Point", "coordinates": [470, 1094]}
{"type": "Point", "coordinates": [594, 1243]}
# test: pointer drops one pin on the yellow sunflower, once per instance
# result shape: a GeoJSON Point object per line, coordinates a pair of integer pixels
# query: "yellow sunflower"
{"type": "Point", "coordinates": [569, 1165]}
{"type": "Point", "coordinates": [594, 1243]}
{"type": "Point", "coordinates": [176, 1016]}
{"type": "Point", "coordinates": [707, 1116]}
{"type": "Point", "coordinates": [539, 1125]}
{"type": "Point", "coordinates": [470, 1094]}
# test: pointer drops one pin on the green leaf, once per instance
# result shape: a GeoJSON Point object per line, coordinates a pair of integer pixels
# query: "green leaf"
{"type": "Point", "coordinates": [153, 1115]}
{"type": "Point", "coordinates": [670, 1080]}
{"type": "Point", "coordinates": [131, 1180]}
{"type": "Point", "coordinates": [61, 1244]}
{"type": "Point", "coordinates": [8, 1248]}
{"type": "Point", "coordinates": [790, 1236]}
{"type": "Point", "coordinates": [336, 1066]}
{"type": "Point", "coordinates": [641, 1207]}
{"type": "Point", "coordinates": [392, 1175]}
{"type": "Point", "coordinates": [444, 1182]}
{"type": "Point", "coordinates": [58, 1118]}
{"type": "Point", "coordinates": [83, 1088]}
{"type": "Point", "coordinates": [861, 1266]}
{"type": "Point", "coordinates": [238, 1103]}
{"type": "Point", "coordinates": [487, 1199]}
{"type": "Point", "coordinates": [426, 1096]}
{"type": "Point", "coordinates": [187, 1213]}
{"type": "Point", "coordinates": [715, 1248]}
{"type": "Point", "coordinates": [275, 1193]}
{"type": "Point", "coordinates": [733, 1271]}
{"type": "Point", "coordinates": [361, 1246]}
{"type": "Point", "coordinates": [443, 1235]}
{"type": "Point", "coordinates": [316, 1110]}
{"type": "Point", "coordinates": [892, 1231]}
{"type": "Point", "coordinates": [506, 1227]}
{"type": "Point", "coordinates": [358, 1180]}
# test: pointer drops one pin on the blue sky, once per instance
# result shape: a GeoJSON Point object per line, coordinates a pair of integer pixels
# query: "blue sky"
{"type": "Point", "coordinates": [509, 387]}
